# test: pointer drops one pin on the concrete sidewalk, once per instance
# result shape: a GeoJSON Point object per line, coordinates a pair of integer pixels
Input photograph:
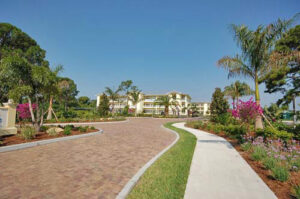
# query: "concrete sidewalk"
{"type": "Point", "coordinates": [218, 171]}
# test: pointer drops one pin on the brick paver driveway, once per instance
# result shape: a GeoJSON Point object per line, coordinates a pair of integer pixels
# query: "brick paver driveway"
{"type": "Point", "coordinates": [92, 167]}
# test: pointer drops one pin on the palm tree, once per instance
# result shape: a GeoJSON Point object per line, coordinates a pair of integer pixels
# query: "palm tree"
{"type": "Point", "coordinates": [236, 90]}
{"type": "Point", "coordinates": [255, 51]}
{"type": "Point", "coordinates": [165, 101]}
{"type": "Point", "coordinates": [113, 95]}
{"type": "Point", "coordinates": [134, 96]}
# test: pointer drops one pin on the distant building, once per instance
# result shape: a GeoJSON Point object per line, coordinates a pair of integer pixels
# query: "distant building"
{"type": "Point", "coordinates": [204, 107]}
{"type": "Point", "coordinates": [147, 103]}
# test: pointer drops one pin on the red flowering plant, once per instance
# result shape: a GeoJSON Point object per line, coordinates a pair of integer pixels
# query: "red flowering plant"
{"type": "Point", "coordinates": [246, 111]}
{"type": "Point", "coordinates": [24, 112]}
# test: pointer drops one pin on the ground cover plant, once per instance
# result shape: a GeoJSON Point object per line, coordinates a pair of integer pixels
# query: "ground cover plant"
{"type": "Point", "coordinates": [167, 177]}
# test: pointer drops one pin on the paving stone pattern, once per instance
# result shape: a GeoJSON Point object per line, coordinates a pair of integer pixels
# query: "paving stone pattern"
{"type": "Point", "coordinates": [92, 167]}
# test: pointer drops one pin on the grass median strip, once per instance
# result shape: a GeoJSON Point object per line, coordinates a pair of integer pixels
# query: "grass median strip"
{"type": "Point", "coordinates": [167, 177]}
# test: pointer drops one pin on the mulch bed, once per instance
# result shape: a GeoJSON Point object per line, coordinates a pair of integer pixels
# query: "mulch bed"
{"type": "Point", "coordinates": [7, 140]}
{"type": "Point", "coordinates": [281, 189]}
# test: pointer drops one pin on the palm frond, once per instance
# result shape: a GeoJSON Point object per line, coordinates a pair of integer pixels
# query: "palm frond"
{"type": "Point", "coordinates": [235, 66]}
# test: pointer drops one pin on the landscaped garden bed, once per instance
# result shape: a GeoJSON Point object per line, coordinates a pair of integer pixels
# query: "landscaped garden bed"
{"type": "Point", "coordinates": [276, 158]}
{"type": "Point", "coordinates": [28, 134]}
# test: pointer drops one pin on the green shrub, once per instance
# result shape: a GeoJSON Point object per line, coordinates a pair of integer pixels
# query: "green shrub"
{"type": "Point", "coordinates": [209, 126]}
{"type": "Point", "coordinates": [270, 162]}
{"type": "Point", "coordinates": [28, 132]}
{"type": "Point", "coordinates": [66, 114]}
{"type": "Point", "coordinates": [196, 126]}
{"type": "Point", "coordinates": [258, 153]}
{"type": "Point", "coordinates": [217, 128]}
{"type": "Point", "coordinates": [269, 132]}
{"type": "Point", "coordinates": [44, 128]}
{"type": "Point", "coordinates": [83, 129]}
{"type": "Point", "coordinates": [67, 131]}
{"type": "Point", "coordinates": [69, 126]}
{"type": "Point", "coordinates": [92, 128]}
{"type": "Point", "coordinates": [283, 135]}
{"type": "Point", "coordinates": [296, 191]}
{"type": "Point", "coordinates": [280, 173]}
{"type": "Point", "coordinates": [246, 146]}
{"type": "Point", "coordinates": [223, 118]}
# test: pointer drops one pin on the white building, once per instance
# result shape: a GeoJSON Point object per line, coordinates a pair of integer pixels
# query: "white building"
{"type": "Point", "coordinates": [204, 107]}
{"type": "Point", "coordinates": [147, 104]}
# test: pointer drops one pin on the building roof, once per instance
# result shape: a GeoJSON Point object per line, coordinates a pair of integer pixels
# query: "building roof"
{"type": "Point", "coordinates": [200, 102]}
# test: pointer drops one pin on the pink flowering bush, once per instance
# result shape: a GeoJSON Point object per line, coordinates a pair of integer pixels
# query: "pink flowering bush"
{"type": "Point", "coordinates": [246, 111]}
{"type": "Point", "coordinates": [23, 110]}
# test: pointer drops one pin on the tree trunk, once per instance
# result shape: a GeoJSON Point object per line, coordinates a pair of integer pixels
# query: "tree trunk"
{"type": "Point", "coordinates": [49, 116]}
{"type": "Point", "coordinates": [233, 103]}
{"type": "Point", "coordinates": [294, 111]}
{"type": "Point", "coordinates": [166, 110]}
{"type": "Point", "coordinates": [30, 110]}
{"type": "Point", "coordinates": [258, 120]}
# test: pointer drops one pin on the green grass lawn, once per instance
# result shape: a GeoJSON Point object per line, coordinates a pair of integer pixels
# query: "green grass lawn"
{"type": "Point", "coordinates": [167, 177]}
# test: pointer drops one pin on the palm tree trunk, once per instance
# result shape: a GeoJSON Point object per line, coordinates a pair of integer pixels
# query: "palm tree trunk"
{"type": "Point", "coordinates": [258, 120]}
{"type": "Point", "coordinates": [233, 103]}
{"type": "Point", "coordinates": [166, 110]}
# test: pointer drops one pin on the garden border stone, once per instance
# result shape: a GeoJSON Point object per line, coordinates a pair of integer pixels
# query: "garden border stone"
{"type": "Point", "coordinates": [48, 141]}
{"type": "Point", "coordinates": [132, 182]}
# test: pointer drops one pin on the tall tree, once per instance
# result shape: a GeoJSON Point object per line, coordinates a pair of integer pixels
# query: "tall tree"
{"type": "Point", "coordinates": [15, 46]}
{"type": "Point", "coordinates": [135, 97]}
{"type": "Point", "coordinates": [219, 104]}
{"type": "Point", "coordinates": [236, 90]}
{"type": "Point", "coordinates": [68, 91]}
{"type": "Point", "coordinates": [113, 96]}
{"type": "Point", "coordinates": [125, 86]}
{"type": "Point", "coordinates": [255, 48]}
{"type": "Point", "coordinates": [53, 91]}
{"type": "Point", "coordinates": [84, 100]}
{"type": "Point", "coordinates": [32, 83]}
{"type": "Point", "coordinates": [165, 101]}
{"type": "Point", "coordinates": [285, 76]}
{"type": "Point", "coordinates": [103, 108]}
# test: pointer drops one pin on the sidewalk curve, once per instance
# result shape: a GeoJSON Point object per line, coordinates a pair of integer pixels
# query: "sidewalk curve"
{"type": "Point", "coordinates": [218, 171]}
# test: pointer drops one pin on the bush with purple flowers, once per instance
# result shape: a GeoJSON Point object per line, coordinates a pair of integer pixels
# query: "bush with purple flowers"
{"type": "Point", "coordinates": [23, 110]}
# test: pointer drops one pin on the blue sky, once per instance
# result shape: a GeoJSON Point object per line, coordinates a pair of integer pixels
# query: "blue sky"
{"type": "Point", "coordinates": [160, 45]}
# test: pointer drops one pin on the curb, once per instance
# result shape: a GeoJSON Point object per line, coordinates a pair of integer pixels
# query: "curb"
{"type": "Point", "coordinates": [132, 182]}
{"type": "Point", "coordinates": [48, 141]}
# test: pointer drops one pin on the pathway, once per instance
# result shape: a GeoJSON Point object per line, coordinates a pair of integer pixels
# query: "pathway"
{"type": "Point", "coordinates": [218, 171]}
{"type": "Point", "coordinates": [91, 167]}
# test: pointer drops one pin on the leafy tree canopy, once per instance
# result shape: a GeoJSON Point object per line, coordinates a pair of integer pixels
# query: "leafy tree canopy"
{"type": "Point", "coordinates": [84, 100]}
{"type": "Point", "coordinates": [285, 76]}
